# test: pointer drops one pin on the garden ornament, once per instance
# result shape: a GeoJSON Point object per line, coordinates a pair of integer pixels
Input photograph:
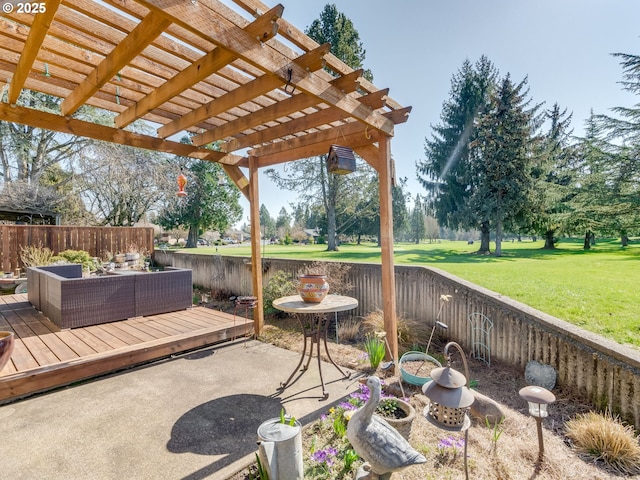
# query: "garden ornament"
{"type": "Point", "coordinates": [377, 442]}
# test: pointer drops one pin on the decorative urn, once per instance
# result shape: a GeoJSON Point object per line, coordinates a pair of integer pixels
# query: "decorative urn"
{"type": "Point", "coordinates": [313, 287]}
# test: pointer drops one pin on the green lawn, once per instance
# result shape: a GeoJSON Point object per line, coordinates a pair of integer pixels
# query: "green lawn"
{"type": "Point", "coordinates": [598, 289]}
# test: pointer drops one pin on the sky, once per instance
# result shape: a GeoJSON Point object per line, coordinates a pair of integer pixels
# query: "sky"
{"type": "Point", "coordinates": [414, 47]}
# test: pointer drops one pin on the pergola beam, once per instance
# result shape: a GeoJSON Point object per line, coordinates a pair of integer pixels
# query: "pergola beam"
{"type": "Point", "coordinates": [265, 27]}
{"type": "Point", "coordinates": [248, 91]}
{"type": "Point", "coordinates": [141, 36]}
{"type": "Point", "coordinates": [37, 34]}
{"type": "Point", "coordinates": [72, 126]}
{"type": "Point", "coordinates": [213, 26]}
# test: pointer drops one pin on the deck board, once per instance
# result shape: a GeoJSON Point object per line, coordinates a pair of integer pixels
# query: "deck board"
{"type": "Point", "coordinates": [46, 356]}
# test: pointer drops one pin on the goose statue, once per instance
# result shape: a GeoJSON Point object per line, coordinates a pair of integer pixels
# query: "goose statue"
{"type": "Point", "coordinates": [377, 442]}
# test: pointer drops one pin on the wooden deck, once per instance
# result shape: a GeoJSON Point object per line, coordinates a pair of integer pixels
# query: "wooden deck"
{"type": "Point", "coordinates": [46, 356]}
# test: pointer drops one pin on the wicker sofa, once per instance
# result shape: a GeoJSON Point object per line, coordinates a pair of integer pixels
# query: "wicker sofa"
{"type": "Point", "coordinates": [69, 300]}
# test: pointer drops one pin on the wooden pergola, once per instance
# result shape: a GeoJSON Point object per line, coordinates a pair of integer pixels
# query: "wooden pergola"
{"type": "Point", "coordinates": [233, 72]}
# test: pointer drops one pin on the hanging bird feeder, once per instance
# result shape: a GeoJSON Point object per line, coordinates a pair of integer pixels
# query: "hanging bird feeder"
{"type": "Point", "coordinates": [182, 181]}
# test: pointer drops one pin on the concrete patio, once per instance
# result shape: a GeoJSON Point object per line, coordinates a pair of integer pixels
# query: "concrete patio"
{"type": "Point", "coordinates": [190, 417]}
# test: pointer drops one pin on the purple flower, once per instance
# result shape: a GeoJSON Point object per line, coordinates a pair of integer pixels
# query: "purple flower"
{"type": "Point", "coordinates": [451, 442]}
{"type": "Point", "coordinates": [326, 456]}
{"type": "Point", "coordinates": [347, 406]}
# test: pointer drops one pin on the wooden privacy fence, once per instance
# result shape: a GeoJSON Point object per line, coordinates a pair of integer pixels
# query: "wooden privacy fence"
{"type": "Point", "coordinates": [95, 240]}
{"type": "Point", "coordinates": [598, 369]}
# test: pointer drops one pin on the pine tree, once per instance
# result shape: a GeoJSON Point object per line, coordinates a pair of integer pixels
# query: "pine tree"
{"type": "Point", "coordinates": [554, 178]}
{"type": "Point", "coordinates": [501, 162]}
{"type": "Point", "coordinates": [210, 204]}
{"type": "Point", "coordinates": [446, 170]}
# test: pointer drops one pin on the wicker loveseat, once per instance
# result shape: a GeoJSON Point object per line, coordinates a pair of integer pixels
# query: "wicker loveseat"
{"type": "Point", "coordinates": [69, 300]}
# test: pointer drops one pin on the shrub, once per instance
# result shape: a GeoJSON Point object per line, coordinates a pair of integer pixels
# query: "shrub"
{"type": "Point", "coordinates": [606, 439]}
{"type": "Point", "coordinates": [280, 285]}
{"type": "Point", "coordinates": [77, 256]}
{"type": "Point", "coordinates": [36, 256]}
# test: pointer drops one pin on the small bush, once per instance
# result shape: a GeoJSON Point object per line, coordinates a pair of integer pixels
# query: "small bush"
{"type": "Point", "coordinates": [36, 256]}
{"type": "Point", "coordinates": [280, 285]}
{"type": "Point", "coordinates": [606, 439]}
{"type": "Point", "coordinates": [77, 256]}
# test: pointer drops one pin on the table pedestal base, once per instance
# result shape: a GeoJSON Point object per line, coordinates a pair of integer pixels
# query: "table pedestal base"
{"type": "Point", "coordinates": [314, 330]}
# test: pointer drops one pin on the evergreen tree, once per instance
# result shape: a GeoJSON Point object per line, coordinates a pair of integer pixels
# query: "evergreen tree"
{"type": "Point", "coordinates": [417, 221]}
{"type": "Point", "coordinates": [623, 133]}
{"type": "Point", "coordinates": [337, 29]}
{"type": "Point", "coordinates": [283, 223]}
{"type": "Point", "coordinates": [595, 206]}
{"type": "Point", "coordinates": [502, 160]}
{"type": "Point", "coordinates": [446, 170]}
{"type": "Point", "coordinates": [210, 204]}
{"type": "Point", "coordinates": [267, 222]}
{"type": "Point", "coordinates": [553, 176]}
{"type": "Point", "coordinates": [399, 197]}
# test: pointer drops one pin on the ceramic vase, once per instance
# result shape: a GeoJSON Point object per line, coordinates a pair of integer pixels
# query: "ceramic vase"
{"type": "Point", "coordinates": [313, 288]}
{"type": "Point", "coordinates": [6, 347]}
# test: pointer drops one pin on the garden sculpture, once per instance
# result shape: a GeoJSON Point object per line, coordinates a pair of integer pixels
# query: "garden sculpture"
{"type": "Point", "coordinates": [377, 442]}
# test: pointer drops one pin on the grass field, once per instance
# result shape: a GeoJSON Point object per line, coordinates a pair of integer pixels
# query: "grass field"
{"type": "Point", "coordinates": [597, 289]}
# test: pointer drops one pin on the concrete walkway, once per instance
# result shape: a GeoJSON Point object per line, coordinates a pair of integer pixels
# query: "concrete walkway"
{"type": "Point", "coordinates": [191, 417]}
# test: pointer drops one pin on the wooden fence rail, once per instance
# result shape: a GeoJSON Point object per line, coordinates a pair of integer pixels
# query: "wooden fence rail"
{"type": "Point", "coordinates": [602, 371]}
{"type": "Point", "coordinates": [95, 240]}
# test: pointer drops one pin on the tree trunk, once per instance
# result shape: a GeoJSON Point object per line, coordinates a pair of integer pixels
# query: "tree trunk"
{"type": "Point", "coordinates": [330, 195]}
{"type": "Point", "coordinates": [484, 238]}
{"type": "Point", "coordinates": [192, 238]}
{"type": "Point", "coordinates": [498, 252]}
{"type": "Point", "coordinates": [331, 227]}
{"type": "Point", "coordinates": [549, 244]}
{"type": "Point", "coordinates": [587, 243]}
{"type": "Point", "coordinates": [624, 240]}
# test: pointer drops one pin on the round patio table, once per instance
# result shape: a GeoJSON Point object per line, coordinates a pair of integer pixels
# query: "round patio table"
{"type": "Point", "coordinates": [313, 322]}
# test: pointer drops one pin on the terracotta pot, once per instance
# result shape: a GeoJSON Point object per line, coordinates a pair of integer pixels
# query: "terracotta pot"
{"type": "Point", "coordinates": [313, 288]}
{"type": "Point", "coordinates": [6, 347]}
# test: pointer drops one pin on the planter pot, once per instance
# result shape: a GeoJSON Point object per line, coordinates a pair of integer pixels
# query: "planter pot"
{"type": "Point", "coordinates": [7, 341]}
{"type": "Point", "coordinates": [313, 288]}
{"type": "Point", "coordinates": [402, 425]}
{"type": "Point", "coordinates": [421, 377]}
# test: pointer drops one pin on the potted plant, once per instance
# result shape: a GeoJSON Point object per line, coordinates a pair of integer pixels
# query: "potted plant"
{"type": "Point", "coordinates": [398, 413]}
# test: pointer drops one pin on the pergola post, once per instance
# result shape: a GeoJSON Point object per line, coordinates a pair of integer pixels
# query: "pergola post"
{"type": "Point", "coordinates": [256, 260]}
{"type": "Point", "coordinates": [385, 174]}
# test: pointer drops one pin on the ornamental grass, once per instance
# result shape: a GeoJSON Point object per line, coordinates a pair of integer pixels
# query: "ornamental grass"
{"type": "Point", "coordinates": [606, 439]}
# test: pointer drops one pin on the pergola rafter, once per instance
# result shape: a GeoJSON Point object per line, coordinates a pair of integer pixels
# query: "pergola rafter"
{"type": "Point", "coordinates": [234, 72]}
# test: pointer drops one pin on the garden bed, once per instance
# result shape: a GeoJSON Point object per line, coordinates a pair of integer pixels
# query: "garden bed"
{"type": "Point", "coordinates": [506, 451]}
